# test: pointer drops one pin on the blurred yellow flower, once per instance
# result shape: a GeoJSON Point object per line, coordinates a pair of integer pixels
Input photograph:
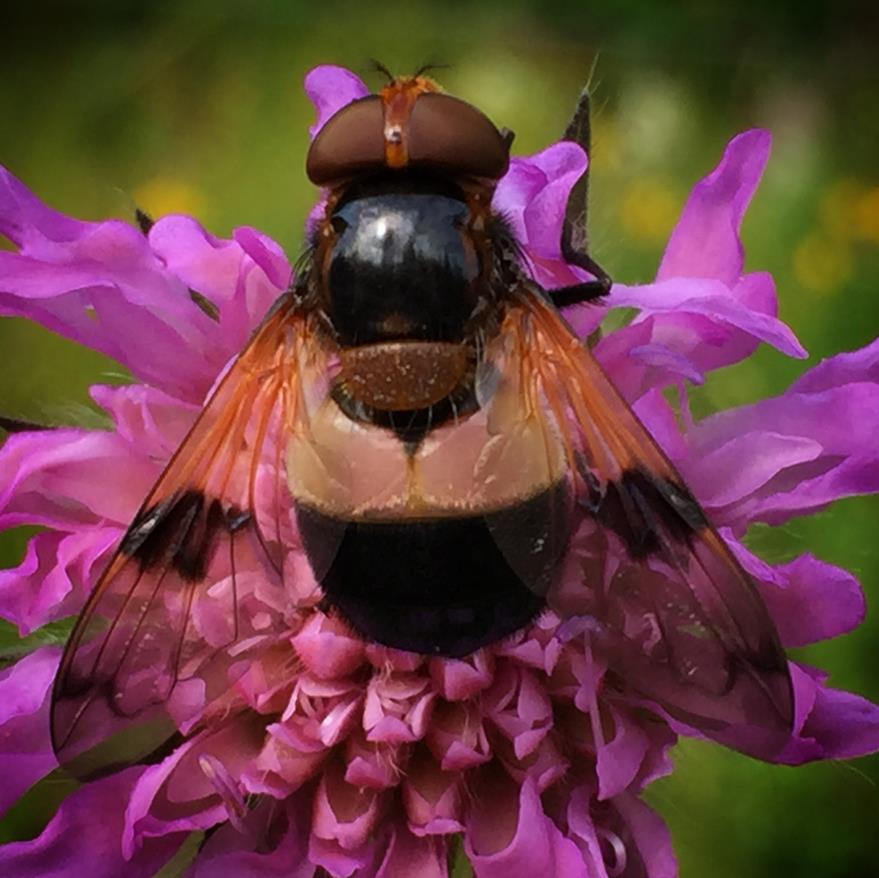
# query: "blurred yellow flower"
{"type": "Point", "coordinates": [837, 207]}
{"type": "Point", "coordinates": [867, 215]}
{"type": "Point", "coordinates": [607, 151]}
{"type": "Point", "coordinates": [849, 209]}
{"type": "Point", "coordinates": [822, 263]}
{"type": "Point", "coordinates": [163, 195]}
{"type": "Point", "coordinates": [648, 210]}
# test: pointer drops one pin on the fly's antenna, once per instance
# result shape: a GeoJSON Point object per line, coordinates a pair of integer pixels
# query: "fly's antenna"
{"type": "Point", "coordinates": [378, 67]}
{"type": "Point", "coordinates": [427, 68]}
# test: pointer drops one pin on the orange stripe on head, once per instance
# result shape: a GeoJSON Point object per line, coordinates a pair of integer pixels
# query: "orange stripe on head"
{"type": "Point", "coordinates": [398, 99]}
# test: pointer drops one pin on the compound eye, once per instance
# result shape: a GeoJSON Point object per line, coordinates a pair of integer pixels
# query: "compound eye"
{"type": "Point", "coordinates": [350, 143]}
{"type": "Point", "coordinates": [450, 134]}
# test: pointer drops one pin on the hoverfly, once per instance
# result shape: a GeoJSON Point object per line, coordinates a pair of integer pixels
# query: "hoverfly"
{"type": "Point", "coordinates": [416, 419]}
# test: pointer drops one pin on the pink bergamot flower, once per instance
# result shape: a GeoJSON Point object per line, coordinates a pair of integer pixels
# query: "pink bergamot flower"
{"type": "Point", "coordinates": [350, 758]}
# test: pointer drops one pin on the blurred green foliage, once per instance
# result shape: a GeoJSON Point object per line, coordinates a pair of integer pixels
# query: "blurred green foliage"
{"type": "Point", "coordinates": [197, 107]}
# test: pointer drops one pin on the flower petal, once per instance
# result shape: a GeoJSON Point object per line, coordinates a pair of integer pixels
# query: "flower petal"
{"type": "Point", "coordinates": [409, 855]}
{"type": "Point", "coordinates": [327, 648]}
{"type": "Point", "coordinates": [330, 88]}
{"type": "Point", "coordinates": [623, 839]}
{"type": "Point", "coordinates": [619, 760]}
{"type": "Point", "coordinates": [809, 600]}
{"type": "Point", "coordinates": [705, 242]}
{"type": "Point", "coordinates": [650, 840]}
{"type": "Point", "coordinates": [687, 303]}
{"type": "Point", "coordinates": [178, 793]}
{"type": "Point", "coordinates": [821, 446]}
{"type": "Point", "coordinates": [461, 679]}
{"type": "Point", "coordinates": [532, 197]}
{"type": "Point", "coordinates": [513, 837]}
{"type": "Point", "coordinates": [432, 798]}
{"type": "Point", "coordinates": [92, 282]}
{"type": "Point", "coordinates": [242, 286]}
{"type": "Point", "coordinates": [229, 853]}
{"type": "Point", "coordinates": [26, 754]}
{"type": "Point", "coordinates": [71, 478]}
{"type": "Point", "coordinates": [848, 368]}
{"type": "Point", "coordinates": [152, 422]}
{"type": "Point", "coordinates": [344, 814]}
{"type": "Point", "coordinates": [831, 724]}
{"type": "Point", "coordinates": [845, 725]}
{"type": "Point", "coordinates": [86, 832]}
{"type": "Point", "coordinates": [29, 223]}
{"type": "Point", "coordinates": [55, 577]}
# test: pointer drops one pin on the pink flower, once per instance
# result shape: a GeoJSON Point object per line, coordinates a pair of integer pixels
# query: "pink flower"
{"type": "Point", "coordinates": [360, 759]}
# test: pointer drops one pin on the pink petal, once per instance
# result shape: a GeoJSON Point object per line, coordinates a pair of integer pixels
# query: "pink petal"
{"type": "Point", "coordinates": [461, 679]}
{"type": "Point", "coordinates": [408, 855]}
{"type": "Point", "coordinates": [640, 366]}
{"type": "Point", "coordinates": [829, 452]}
{"type": "Point", "coordinates": [343, 813]}
{"type": "Point", "coordinates": [227, 852]}
{"type": "Point", "coordinates": [385, 658]}
{"type": "Point", "coordinates": [625, 839]}
{"type": "Point", "coordinates": [96, 282]}
{"type": "Point", "coordinates": [397, 708]}
{"type": "Point", "coordinates": [545, 766]}
{"type": "Point", "coordinates": [538, 647]}
{"type": "Point", "coordinates": [327, 647]}
{"type": "Point", "coordinates": [518, 705]}
{"type": "Point", "coordinates": [63, 478]}
{"type": "Point", "coordinates": [513, 838]}
{"type": "Point", "coordinates": [849, 368]}
{"type": "Point", "coordinates": [29, 223]}
{"type": "Point", "coordinates": [55, 577]}
{"type": "Point", "coordinates": [279, 769]}
{"type": "Point", "coordinates": [705, 242]}
{"type": "Point", "coordinates": [457, 737]}
{"type": "Point", "coordinates": [266, 254]}
{"type": "Point", "coordinates": [808, 599]}
{"type": "Point", "coordinates": [340, 862]}
{"type": "Point", "coordinates": [93, 282]}
{"type": "Point", "coordinates": [153, 423]}
{"type": "Point", "coordinates": [837, 724]}
{"type": "Point", "coordinates": [709, 299]}
{"type": "Point", "coordinates": [367, 764]}
{"type": "Point", "coordinates": [225, 273]}
{"type": "Point", "coordinates": [532, 196]}
{"type": "Point", "coordinates": [619, 760]}
{"type": "Point", "coordinates": [659, 418]}
{"type": "Point", "coordinates": [748, 462]}
{"type": "Point", "coordinates": [330, 88]}
{"type": "Point", "coordinates": [178, 794]}
{"type": "Point", "coordinates": [27, 753]}
{"type": "Point", "coordinates": [650, 838]}
{"type": "Point", "coordinates": [432, 798]}
{"type": "Point", "coordinates": [688, 326]}
{"type": "Point", "coordinates": [85, 837]}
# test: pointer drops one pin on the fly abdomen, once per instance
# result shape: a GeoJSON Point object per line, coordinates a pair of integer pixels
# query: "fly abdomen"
{"type": "Point", "coordinates": [439, 586]}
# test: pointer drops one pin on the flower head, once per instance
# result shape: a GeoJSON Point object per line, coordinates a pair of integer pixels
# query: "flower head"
{"type": "Point", "coordinates": [348, 756]}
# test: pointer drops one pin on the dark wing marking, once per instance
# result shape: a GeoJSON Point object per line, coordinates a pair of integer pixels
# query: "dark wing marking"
{"type": "Point", "coordinates": [175, 596]}
{"type": "Point", "coordinates": [684, 621]}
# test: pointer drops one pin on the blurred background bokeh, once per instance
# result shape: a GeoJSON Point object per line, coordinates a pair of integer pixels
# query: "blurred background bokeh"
{"type": "Point", "coordinates": [197, 107]}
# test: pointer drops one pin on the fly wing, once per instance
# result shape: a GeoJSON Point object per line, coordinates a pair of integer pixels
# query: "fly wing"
{"type": "Point", "coordinates": [182, 605]}
{"type": "Point", "coordinates": [683, 621]}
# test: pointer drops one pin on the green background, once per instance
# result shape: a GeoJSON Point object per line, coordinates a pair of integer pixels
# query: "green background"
{"type": "Point", "coordinates": [198, 107]}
